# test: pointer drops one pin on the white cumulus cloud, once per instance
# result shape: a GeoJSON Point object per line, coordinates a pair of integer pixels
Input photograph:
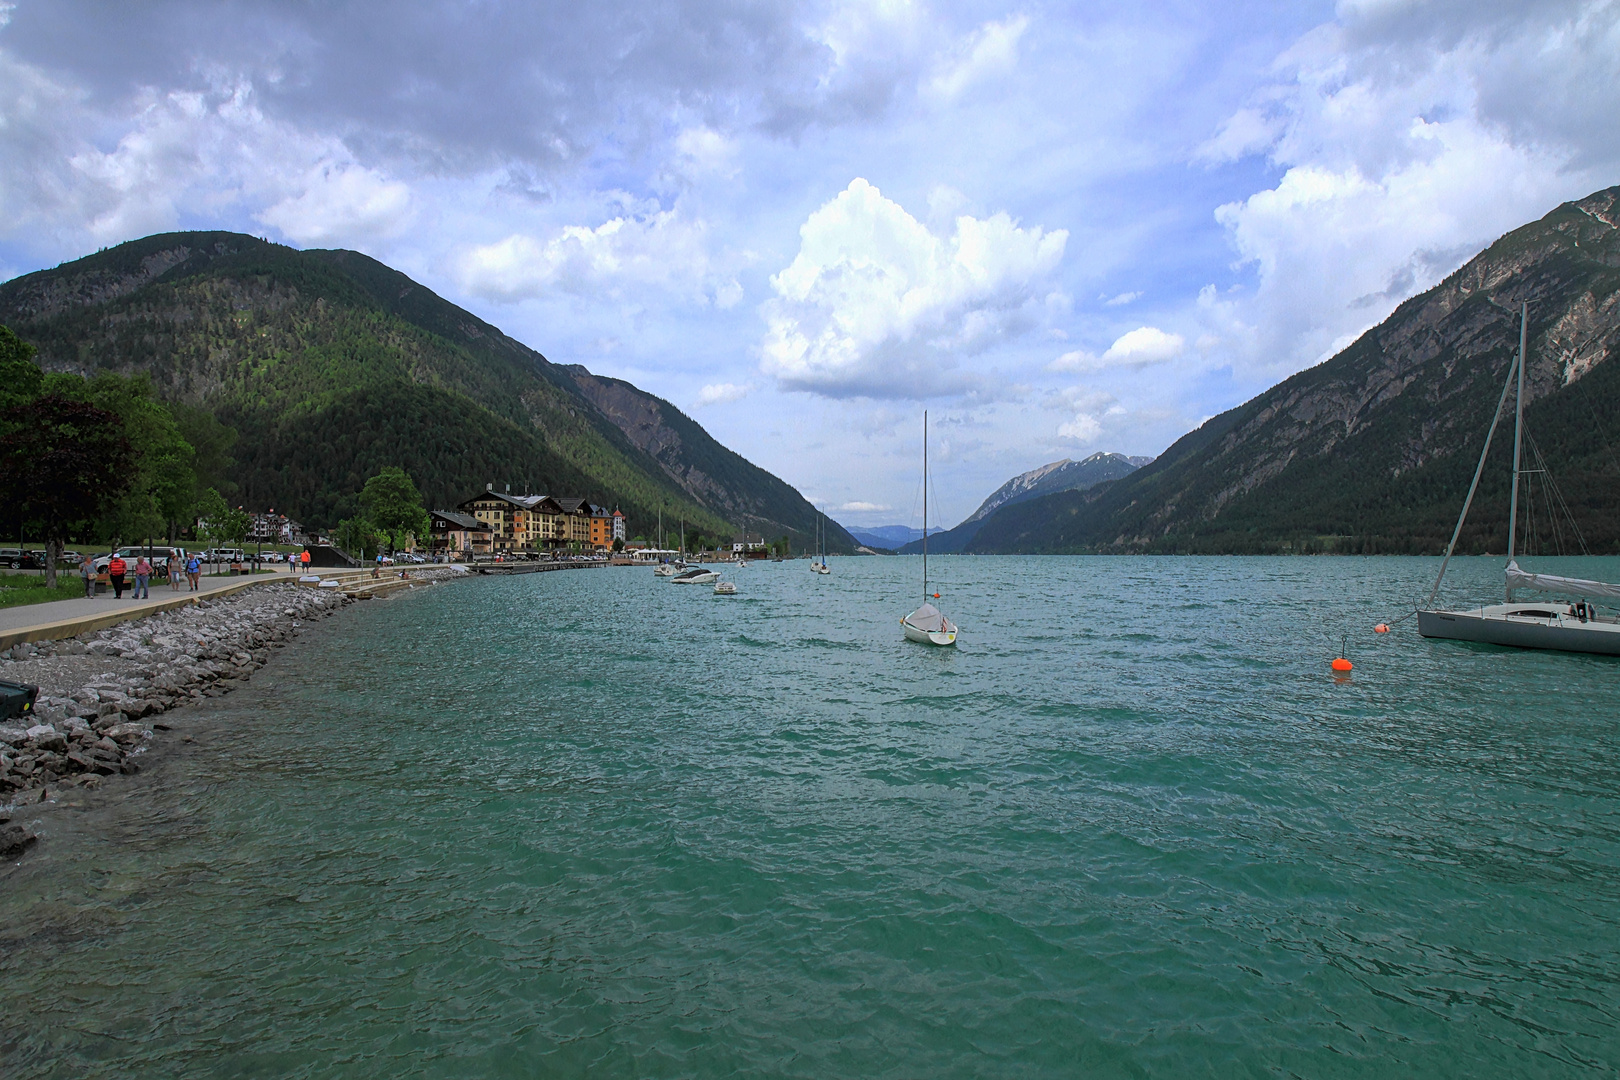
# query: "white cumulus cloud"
{"type": "Point", "coordinates": [660, 248]}
{"type": "Point", "coordinates": [1141, 347]}
{"type": "Point", "coordinates": [876, 304]}
{"type": "Point", "coordinates": [861, 507]}
{"type": "Point", "coordinates": [1408, 139]}
{"type": "Point", "coordinates": [723, 393]}
{"type": "Point", "coordinates": [341, 201]}
{"type": "Point", "coordinates": [990, 50]}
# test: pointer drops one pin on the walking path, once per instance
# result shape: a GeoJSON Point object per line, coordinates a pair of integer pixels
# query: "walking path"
{"type": "Point", "coordinates": [67, 618]}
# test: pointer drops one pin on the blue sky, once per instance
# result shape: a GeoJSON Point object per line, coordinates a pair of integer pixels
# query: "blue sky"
{"type": "Point", "coordinates": [1060, 228]}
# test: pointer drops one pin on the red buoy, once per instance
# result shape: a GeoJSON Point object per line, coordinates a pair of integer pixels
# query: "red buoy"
{"type": "Point", "coordinates": [1341, 664]}
{"type": "Point", "coordinates": [1381, 628]}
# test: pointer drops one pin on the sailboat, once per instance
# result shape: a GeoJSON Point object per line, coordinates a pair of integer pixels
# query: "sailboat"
{"type": "Point", "coordinates": [821, 548]}
{"type": "Point", "coordinates": [927, 625]}
{"type": "Point", "coordinates": [1576, 627]}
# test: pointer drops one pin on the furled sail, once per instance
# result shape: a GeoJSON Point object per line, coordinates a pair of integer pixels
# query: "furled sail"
{"type": "Point", "coordinates": [1519, 579]}
{"type": "Point", "coordinates": [928, 619]}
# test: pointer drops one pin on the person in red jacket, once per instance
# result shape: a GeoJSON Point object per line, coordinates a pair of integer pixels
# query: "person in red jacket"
{"type": "Point", "coordinates": [115, 574]}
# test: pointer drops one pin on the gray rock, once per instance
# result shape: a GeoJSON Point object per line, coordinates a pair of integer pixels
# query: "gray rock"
{"type": "Point", "coordinates": [127, 734]}
{"type": "Point", "coordinates": [13, 736]}
{"type": "Point", "coordinates": [15, 839]}
{"type": "Point", "coordinates": [53, 741]}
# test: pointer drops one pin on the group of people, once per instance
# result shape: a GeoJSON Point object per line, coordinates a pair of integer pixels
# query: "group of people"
{"type": "Point", "coordinates": [119, 571]}
{"type": "Point", "coordinates": [181, 572]}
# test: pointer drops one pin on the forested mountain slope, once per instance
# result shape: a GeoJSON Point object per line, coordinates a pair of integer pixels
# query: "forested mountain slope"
{"type": "Point", "coordinates": [330, 364]}
{"type": "Point", "coordinates": [1372, 450]}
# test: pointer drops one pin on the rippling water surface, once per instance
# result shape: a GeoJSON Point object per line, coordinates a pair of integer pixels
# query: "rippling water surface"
{"type": "Point", "coordinates": [594, 823]}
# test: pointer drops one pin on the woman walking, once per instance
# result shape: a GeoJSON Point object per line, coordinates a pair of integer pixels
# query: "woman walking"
{"type": "Point", "coordinates": [193, 571]}
{"type": "Point", "coordinates": [143, 574]}
{"type": "Point", "coordinates": [174, 572]}
{"type": "Point", "coordinates": [115, 574]}
{"type": "Point", "coordinates": [87, 570]}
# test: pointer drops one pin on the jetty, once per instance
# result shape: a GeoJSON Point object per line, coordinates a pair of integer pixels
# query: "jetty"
{"type": "Point", "coordinates": [539, 567]}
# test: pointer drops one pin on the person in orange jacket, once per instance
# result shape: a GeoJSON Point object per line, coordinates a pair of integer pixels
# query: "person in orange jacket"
{"type": "Point", "coordinates": [115, 574]}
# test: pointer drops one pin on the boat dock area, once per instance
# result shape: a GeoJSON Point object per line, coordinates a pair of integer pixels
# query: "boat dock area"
{"type": "Point", "coordinates": [533, 567]}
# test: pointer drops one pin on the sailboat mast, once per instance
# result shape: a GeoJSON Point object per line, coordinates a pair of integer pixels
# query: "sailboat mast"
{"type": "Point", "coordinates": [925, 505]}
{"type": "Point", "coordinates": [1518, 438]}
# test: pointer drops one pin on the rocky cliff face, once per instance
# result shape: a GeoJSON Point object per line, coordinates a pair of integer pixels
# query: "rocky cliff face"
{"type": "Point", "coordinates": [1372, 449]}
{"type": "Point", "coordinates": [714, 476]}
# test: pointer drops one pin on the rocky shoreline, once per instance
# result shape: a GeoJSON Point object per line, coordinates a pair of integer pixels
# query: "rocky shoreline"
{"type": "Point", "coordinates": [101, 693]}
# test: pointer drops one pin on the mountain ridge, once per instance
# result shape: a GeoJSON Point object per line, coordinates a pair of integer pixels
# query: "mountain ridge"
{"type": "Point", "coordinates": [1373, 449]}
{"type": "Point", "coordinates": [330, 364]}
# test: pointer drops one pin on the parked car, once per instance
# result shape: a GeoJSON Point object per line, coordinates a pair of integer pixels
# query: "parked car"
{"type": "Point", "coordinates": [158, 554]}
{"type": "Point", "coordinates": [18, 559]}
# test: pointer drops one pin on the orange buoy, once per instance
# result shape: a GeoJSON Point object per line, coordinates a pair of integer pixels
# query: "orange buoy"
{"type": "Point", "coordinates": [936, 596]}
{"type": "Point", "coordinates": [1341, 664]}
{"type": "Point", "coordinates": [1381, 628]}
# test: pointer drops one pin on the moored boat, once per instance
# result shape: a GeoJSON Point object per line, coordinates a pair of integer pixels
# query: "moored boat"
{"type": "Point", "coordinates": [927, 625]}
{"type": "Point", "coordinates": [1573, 627]}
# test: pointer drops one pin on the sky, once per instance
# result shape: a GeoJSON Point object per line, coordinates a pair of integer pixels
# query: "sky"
{"type": "Point", "coordinates": [1059, 228]}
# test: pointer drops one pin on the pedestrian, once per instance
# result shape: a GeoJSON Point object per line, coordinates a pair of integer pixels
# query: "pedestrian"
{"type": "Point", "coordinates": [193, 571]}
{"type": "Point", "coordinates": [174, 568]}
{"type": "Point", "coordinates": [87, 570]}
{"type": "Point", "coordinates": [292, 561]}
{"type": "Point", "coordinates": [143, 574]}
{"type": "Point", "coordinates": [303, 560]}
{"type": "Point", "coordinates": [115, 574]}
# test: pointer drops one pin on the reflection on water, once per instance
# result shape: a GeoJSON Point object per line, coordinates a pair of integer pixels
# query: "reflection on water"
{"type": "Point", "coordinates": [592, 822]}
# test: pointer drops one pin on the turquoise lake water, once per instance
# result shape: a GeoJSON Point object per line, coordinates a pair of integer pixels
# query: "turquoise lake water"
{"type": "Point", "coordinates": [596, 824]}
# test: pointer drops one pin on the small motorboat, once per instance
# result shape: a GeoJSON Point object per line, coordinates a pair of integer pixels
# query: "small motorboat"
{"type": "Point", "coordinates": [695, 576]}
{"type": "Point", "coordinates": [664, 570]}
{"type": "Point", "coordinates": [725, 588]}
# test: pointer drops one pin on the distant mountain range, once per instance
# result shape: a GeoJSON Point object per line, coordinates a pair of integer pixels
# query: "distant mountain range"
{"type": "Point", "coordinates": [889, 537]}
{"type": "Point", "coordinates": [1373, 449]}
{"type": "Point", "coordinates": [330, 365]}
{"type": "Point", "coordinates": [1065, 475]}
{"type": "Point", "coordinates": [1049, 479]}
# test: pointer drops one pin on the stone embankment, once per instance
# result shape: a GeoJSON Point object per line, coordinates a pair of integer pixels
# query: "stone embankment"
{"type": "Point", "coordinates": [101, 694]}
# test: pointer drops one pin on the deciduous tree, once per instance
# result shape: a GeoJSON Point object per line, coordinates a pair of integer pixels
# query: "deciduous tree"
{"type": "Point", "coordinates": [394, 506]}
{"type": "Point", "coordinates": [63, 462]}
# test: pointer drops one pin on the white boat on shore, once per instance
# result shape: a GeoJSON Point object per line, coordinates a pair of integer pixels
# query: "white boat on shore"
{"type": "Point", "coordinates": [1573, 627]}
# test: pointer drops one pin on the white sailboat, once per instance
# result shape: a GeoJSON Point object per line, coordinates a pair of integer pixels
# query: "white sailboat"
{"type": "Point", "coordinates": [1575, 627]}
{"type": "Point", "coordinates": [818, 564]}
{"type": "Point", "coordinates": [927, 625]}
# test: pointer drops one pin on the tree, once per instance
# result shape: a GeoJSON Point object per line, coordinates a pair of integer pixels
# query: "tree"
{"type": "Point", "coordinates": [20, 378]}
{"type": "Point", "coordinates": [62, 462]}
{"type": "Point", "coordinates": [162, 485]}
{"type": "Point", "coordinates": [618, 544]}
{"type": "Point", "coordinates": [357, 537]}
{"type": "Point", "coordinates": [218, 521]}
{"type": "Point", "coordinates": [394, 506]}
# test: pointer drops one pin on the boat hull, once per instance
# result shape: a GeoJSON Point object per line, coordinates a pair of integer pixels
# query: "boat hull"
{"type": "Point", "coordinates": [1496, 626]}
{"type": "Point", "coordinates": [928, 637]}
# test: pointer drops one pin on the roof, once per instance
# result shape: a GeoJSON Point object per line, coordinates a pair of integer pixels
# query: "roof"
{"type": "Point", "coordinates": [569, 506]}
{"type": "Point", "coordinates": [459, 520]}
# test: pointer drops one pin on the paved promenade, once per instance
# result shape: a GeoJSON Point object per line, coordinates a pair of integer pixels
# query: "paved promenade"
{"type": "Point", "coordinates": [27, 616]}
